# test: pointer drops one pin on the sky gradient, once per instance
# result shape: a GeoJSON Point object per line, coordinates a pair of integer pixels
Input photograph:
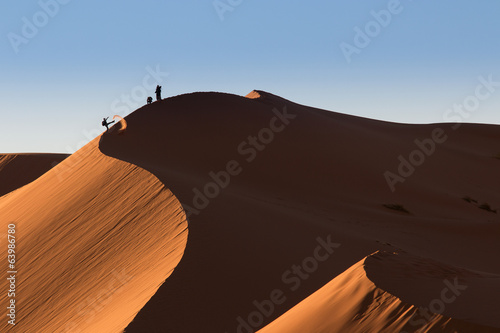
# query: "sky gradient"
{"type": "Point", "coordinates": [84, 58]}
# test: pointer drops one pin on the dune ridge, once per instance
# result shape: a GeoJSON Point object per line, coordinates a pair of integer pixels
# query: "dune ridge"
{"type": "Point", "coordinates": [96, 237]}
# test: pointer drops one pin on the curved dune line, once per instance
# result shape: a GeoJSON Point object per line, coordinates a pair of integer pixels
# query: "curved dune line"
{"type": "Point", "coordinates": [96, 237]}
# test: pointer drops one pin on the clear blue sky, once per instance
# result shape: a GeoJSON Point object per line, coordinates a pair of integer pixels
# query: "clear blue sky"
{"type": "Point", "coordinates": [86, 54]}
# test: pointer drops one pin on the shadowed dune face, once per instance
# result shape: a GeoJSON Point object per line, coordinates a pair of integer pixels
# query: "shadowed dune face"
{"type": "Point", "coordinates": [17, 170]}
{"type": "Point", "coordinates": [262, 178]}
{"type": "Point", "coordinates": [95, 238]}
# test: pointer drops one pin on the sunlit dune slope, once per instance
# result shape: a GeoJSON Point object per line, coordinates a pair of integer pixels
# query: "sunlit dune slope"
{"type": "Point", "coordinates": [352, 302]}
{"type": "Point", "coordinates": [17, 170]}
{"type": "Point", "coordinates": [95, 238]}
{"type": "Point", "coordinates": [263, 178]}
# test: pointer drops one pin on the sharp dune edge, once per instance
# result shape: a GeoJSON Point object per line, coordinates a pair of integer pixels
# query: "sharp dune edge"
{"type": "Point", "coordinates": [96, 237]}
{"type": "Point", "coordinates": [318, 180]}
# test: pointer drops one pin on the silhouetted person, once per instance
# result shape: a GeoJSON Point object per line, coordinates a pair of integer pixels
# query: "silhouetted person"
{"type": "Point", "coordinates": [106, 124]}
{"type": "Point", "coordinates": [158, 93]}
{"type": "Point", "coordinates": [150, 100]}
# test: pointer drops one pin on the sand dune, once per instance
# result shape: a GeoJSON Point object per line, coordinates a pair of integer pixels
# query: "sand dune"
{"type": "Point", "coordinates": [297, 174]}
{"type": "Point", "coordinates": [17, 170]}
{"type": "Point", "coordinates": [285, 206]}
{"type": "Point", "coordinates": [353, 302]}
{"type": "Point", "coordinates": [456, 292]}
{"type": "Point", "coordinates": [95, 237]}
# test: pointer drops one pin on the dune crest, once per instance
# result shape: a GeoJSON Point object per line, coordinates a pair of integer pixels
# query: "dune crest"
{"type": "Point", "coordinates": [96, 237]}
{"type": "Point", "coordinates": [254, 94]}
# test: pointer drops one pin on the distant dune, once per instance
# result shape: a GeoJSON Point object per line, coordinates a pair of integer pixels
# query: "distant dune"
{"type": "Point", "coordinates": [17, 170]}
{"type": "Point", "coordinates": [294, 225]}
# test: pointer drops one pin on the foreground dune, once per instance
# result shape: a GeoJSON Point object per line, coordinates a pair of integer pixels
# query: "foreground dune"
{"type": "Point", "coordinates": [17, 170]}
{"type": "Point", "coordinates": [95, 238]}
{"type": "Point", "coordinates": [352, 302]}
{"type": "Point", "coordinates": [265, 181]}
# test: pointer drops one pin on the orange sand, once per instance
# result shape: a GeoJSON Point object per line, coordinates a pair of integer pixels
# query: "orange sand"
{"type": "Point", "coordinates": [309, 175]}
{"type": "Point", "coordinates": [94, 244]}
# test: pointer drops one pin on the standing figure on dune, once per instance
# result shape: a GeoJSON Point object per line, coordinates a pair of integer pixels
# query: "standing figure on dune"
{"type": "Point", "coordinates": [106, 124]}
{"type": "Point", "coordinates": [158, 93]}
